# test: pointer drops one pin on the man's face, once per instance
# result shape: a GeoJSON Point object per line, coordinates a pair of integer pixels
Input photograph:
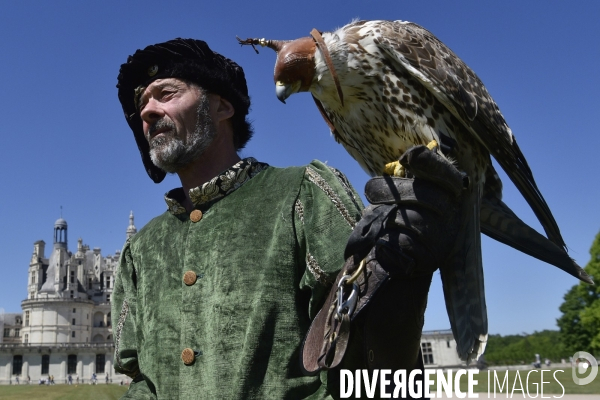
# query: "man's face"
{"type": "Point", "coordinates": [176, 121]}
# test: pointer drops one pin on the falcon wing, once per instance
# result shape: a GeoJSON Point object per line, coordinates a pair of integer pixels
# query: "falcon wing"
{"type": "Point", "coordinates": [414, 48]}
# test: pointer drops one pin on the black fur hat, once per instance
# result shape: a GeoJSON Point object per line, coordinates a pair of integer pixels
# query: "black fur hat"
{"type": "Point", "coordinates": [187, 59]}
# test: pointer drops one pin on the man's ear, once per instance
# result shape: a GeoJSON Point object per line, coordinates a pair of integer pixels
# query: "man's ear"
{"type": "Point", "coordinates": [223, 108]}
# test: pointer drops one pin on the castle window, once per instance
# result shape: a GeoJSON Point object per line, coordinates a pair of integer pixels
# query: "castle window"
{"type": "Point", "coordinates": [45, 364]}
{"type": "Point", "coordinates": [26, 318]}
{"type": "Point", "coordinates": [108, 298]}
{"type": "Point", "coordinates": [72, 363]}
{"type": "Point", "coordinates": [73, 323]}
{"type": "Point", "coordinates": [26, 340]}
{"type": "Point", "coordinates": [17, 364]}
{"type": "Point", "coordinates": [6, 332]}
{"type": "Point", "coordinates": [17, 332]}
{"type": "Point", "coordinates": [90, 284]}
{"type": "Point", "coordinates": [74, 311]}
{"type": "Point", "coordinates": [100, 361]}
{"type": "Point", "coordinates": [427, 353]}
{"type": "Point", "coordinates": [72, 276]}
{"type": "Point", "coordinates": [73, 334]}
{"type": "Point", "coordinates": [71, 294]}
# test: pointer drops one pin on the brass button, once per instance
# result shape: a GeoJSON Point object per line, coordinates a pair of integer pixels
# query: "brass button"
{"type": "Point", "coordinates": [196, 215]}
{"type": "Point", "coordinates": [187, 356]}
{"type": "Point", "coordinates": [189, 278]}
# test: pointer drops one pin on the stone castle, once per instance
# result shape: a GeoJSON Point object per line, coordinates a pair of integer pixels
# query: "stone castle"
{"type": "Point", "coordinates": [65, 327]}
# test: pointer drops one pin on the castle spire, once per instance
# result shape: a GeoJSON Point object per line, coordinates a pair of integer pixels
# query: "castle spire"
{"type": "Point", "coordinates": [131, 229]}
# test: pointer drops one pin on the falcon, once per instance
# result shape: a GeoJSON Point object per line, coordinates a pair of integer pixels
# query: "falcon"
{"type": "Point", "coordinates": [385, 86]}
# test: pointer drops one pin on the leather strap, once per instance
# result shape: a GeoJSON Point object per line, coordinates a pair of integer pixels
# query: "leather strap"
{"type": "Point", "coordinates": [327, 339]}
{"type": "Point", "coordinates": [393, 190]}
{"type": "Point", "coordinates": [316, 35]}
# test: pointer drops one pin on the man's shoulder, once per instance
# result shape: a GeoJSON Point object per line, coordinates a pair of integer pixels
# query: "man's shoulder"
{"type": "Point", "coordinates": [299, 171]}
{"type": "Point", "coordinates": [316, 174]}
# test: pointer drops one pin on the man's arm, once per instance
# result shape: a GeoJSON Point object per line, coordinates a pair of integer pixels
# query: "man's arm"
{"type": "Point", "coordinates": [124, 305]}
{"type": "Point", "coordinates": [326, 211]}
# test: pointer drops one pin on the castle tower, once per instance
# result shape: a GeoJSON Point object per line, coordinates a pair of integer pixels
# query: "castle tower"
{"type": "Point", "coordinates": [37, 269]}
{"type": "Point", "coordinates": [60, 233]}
{"type": "Point", "coordinates": [57, 309]}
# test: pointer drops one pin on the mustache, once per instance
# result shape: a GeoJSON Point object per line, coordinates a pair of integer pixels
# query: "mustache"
{"type": "Point", "coordinates": [160, 124]}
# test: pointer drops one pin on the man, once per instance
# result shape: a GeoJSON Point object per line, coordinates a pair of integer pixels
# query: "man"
{"type": "Point", "coordinates": [214, 297]}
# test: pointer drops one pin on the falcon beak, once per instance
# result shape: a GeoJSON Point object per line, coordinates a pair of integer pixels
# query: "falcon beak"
{"type": "Point", "coordinates": [283, 91]}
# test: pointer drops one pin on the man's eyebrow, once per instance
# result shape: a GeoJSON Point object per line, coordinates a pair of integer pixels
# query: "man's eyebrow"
{"type": "Point", "coordinates": [140, 90]}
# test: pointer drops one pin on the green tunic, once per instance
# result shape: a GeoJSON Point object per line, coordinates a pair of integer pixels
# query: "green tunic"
{"type": "Point", "coordinates": [268, 246]}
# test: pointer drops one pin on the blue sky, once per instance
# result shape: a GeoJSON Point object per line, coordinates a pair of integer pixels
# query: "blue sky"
{"type": "Point", "coordinates": [65, 141]}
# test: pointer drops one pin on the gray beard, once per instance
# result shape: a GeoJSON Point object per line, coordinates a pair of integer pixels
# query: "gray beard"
{"type": "Point", "coordinates": [172, 153]}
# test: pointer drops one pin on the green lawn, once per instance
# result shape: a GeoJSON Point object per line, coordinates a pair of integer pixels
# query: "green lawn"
{"type": "Point", "coordinates": [63, 392]}
{"type": "Point", "coordinates": [551, 385]}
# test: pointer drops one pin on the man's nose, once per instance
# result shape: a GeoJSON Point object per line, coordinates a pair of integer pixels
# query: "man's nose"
{"type": "Point", "coordinates": [152, 112]}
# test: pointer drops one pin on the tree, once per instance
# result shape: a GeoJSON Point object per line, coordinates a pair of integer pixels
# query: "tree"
{"type": "Point", "coordinates": [521, 349]}
{"type": "Point", "coordinates": [580, 322]}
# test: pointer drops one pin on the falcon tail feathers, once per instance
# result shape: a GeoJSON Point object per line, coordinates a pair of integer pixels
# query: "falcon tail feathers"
{"type": "Point", "coordinates": [462, 279]}
{"type": "Point", "coordinates": [501, 224]}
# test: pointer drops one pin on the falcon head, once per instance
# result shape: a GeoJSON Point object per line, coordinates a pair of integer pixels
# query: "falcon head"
{"type": "Point", "coordinates": [295, 66]}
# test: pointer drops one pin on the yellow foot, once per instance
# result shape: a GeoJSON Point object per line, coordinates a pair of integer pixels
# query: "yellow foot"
{"type": "Point", "coordinates": [432, 145]}
{"type": "Point", "coordinates": [394, 169]}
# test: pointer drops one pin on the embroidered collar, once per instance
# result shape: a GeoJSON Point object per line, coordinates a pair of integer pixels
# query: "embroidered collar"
{"type": "Point", "coordinates": [218, 187]}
